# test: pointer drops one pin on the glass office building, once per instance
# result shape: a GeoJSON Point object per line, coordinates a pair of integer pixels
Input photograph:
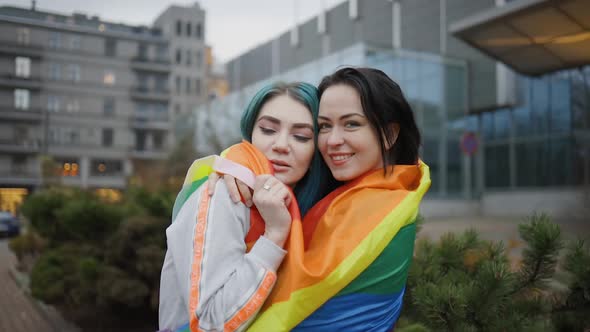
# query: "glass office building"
{"type": "Point", "coordinates": [540, 141]}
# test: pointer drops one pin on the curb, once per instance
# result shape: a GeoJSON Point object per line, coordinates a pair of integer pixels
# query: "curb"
{"type": "Point", "coordinates": [49, 313]}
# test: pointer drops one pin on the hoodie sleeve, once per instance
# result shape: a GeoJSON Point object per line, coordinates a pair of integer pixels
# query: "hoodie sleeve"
{"type": "Point", "coordinates": [228, 286]}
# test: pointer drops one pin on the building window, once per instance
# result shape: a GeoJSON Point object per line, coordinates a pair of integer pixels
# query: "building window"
{"type": "Point", "coordinates": [110, 47]}
{"type": "Point", "coordinates": [188, 29]}
{"type": "Point", "coordinates": [109, 77]}
{"type": "Point", "coordinates": [75, 42]}
{"type": "Point", "coordinates": [23, 67]}
{"type": "Point", "coordinates": [178, 84]}
{"type": "Point", "coordinates": [177, 109]}
{"type": "Point", "coordinates": [53, 103]}
{"type": "Point", "coordinates": [162, 52]}
{"type": "Point", "coordinates": [198, 31]}
{"type": "Point", "coordinates": [198, 86]}
{"type": "Point", "coordinates": [19, 164]}
{"type": "Point", "coordinates": [188, 85]}
{"type": "Point", "coordinates": [73, 136]}
{"type": "Point", "coordinates": [161, 83]}
{"type": "Point", "coordinates": [54, 40]}
{"type": "Point", "coordinates": [21, 99]}
{"type": "Point", "coordinates": [73, 106]}
{"type": "Point", "coordinates": [73, 72]}
{"type": "Point", "coordinates": [158, 140]}
{"type": "Point", "coordinates": [106, 167]}
{"type": "Point", "coordinates": [199, 58]}
{"type": "Point", "coordinates": [108, 108]}
{"type": "Point", "coordinates": [69, 167]}
{"type": "Point", "coordinates": [142, 51]}
{"type": "Point", "coordinates": [54, 71]}
{"type": "Point", "coordinates": [178, 56]}
{"type": "Point", "coordinates": [23, 36]}
{"type": "Point", "coordinates": [189, 57]}
{"type": "Point", "coordinates": [107, 137]}
{"type": "Point", "coordinates": [178, 28]}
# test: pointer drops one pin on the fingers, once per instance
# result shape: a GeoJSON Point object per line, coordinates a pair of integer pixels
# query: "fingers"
{"type": "Point", "coordinates": [232, 188]}
{"type": "Point", "coordinates": [211, 182]}
{"type": "Point", "coordinates": [245, 191]}
{"type": "Point", "coordinates": [267, 187]}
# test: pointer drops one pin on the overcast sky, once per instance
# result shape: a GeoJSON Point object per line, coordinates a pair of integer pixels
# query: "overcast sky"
{"type": "Point", "coordinates": [232, 26]}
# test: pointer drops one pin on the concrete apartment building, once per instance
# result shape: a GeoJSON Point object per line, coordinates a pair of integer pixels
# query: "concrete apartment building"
{"type": "Point", "coordinates": [98, 97]}
{"type": "Point", "coordinates": [509, 80]}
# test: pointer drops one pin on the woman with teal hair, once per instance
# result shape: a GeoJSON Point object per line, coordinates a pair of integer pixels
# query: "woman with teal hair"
{"type": "Point", "coordinates": [318, 181]}
{"type": "Point", "coordinates": [219, 270]}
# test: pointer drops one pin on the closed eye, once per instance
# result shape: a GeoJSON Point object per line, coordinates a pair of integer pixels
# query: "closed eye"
{"type": "Point", "coordinates": [267, 131]}
{"type": "Point", "coordinates": [301, 138]}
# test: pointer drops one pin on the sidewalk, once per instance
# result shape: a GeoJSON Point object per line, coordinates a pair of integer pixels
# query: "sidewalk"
{"type": "Point", "coordinates": [18, 312]}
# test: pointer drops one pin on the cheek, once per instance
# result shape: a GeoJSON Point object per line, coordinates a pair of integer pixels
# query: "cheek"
{"type": "Point", "coordinates": [260, 141]}
{"type": "Point", "coordinates": [305, 154]}
{"type": "Point", "coordinates": [322, 142]}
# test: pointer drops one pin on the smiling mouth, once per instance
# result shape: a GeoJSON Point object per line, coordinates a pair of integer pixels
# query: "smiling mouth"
{"type": "Point", "coordinates": [341, 157]}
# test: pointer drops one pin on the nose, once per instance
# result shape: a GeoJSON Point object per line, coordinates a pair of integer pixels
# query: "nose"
{"type": "Point", "coordinates": [335, 137]}
{"type": "Point", "coordinates": [281, 144]}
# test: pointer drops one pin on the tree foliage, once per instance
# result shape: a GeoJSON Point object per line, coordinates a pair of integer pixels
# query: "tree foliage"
{"type": "Point", "coordinates": [463, 283]}
{"type": "Point", "coordinates": [99, 262]}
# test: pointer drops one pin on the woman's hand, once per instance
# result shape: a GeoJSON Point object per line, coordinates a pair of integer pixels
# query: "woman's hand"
{"type": "Point", "coordinates": [272, 198]}
{"type": "Point", "coordinates": [234, 186]}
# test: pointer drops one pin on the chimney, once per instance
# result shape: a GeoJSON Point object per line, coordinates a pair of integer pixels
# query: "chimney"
{"type": "Point", "coordinates": [33, 5]}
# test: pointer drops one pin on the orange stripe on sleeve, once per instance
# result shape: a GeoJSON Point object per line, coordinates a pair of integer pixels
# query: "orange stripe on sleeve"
{"type": "Point", "coordinates": [198, 245]}
{"type": "Point", "coordinates": [253, 304]}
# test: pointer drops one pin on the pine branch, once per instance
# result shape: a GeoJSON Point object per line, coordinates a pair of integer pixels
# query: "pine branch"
{"type": "Point", "coordinates": [540, 257]}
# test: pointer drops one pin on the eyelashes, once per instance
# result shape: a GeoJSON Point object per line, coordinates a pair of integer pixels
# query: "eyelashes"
{"type": "Point", "coordinates": [270, 132]}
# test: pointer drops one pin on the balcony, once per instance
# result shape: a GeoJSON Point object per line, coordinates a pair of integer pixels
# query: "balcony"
{"type": "Point", "coordinates": [32, 115]}
{"type": "Point", "coordinates": [151, 120]}
{"type": "Point", "coordinates": [155, 65]}
{"type": "Point", "coordinates": [142, 93]}
{"type": "Point", "coordinates": [149, 154]}
{"type": "Point", "coordinates": [20, 178]}
{"type": "Point", "coordinates": [24, 146]}
{"type": "Point", "coordinates": [13, 81]}
{"type": "Point", "coordinates": [10, 48]}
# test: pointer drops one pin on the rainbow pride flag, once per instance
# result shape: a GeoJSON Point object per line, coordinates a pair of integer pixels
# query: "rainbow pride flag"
{"type": "Point", "coordinates": [347, 263]}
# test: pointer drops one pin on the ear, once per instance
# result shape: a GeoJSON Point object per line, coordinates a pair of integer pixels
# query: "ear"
{"type": "Point", "coordinates": [394, 127]}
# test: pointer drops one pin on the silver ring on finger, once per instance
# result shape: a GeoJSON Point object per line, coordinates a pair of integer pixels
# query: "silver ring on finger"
{"type": "Point", "coordinates": [266, 186]}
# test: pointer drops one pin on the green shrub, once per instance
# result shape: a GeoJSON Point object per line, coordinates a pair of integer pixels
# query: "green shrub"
{"type": "Point", "coordinates": [88, 219]}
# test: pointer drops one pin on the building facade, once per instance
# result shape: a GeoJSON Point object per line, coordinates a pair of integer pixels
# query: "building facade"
{"type": "Point", "coordinates": [527, 155]}
{"type": "Point", "coordinates": [99, 98]}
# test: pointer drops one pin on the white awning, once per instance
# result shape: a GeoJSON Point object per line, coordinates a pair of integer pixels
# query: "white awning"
{"type": "Point", "coordinates": [533, 37]}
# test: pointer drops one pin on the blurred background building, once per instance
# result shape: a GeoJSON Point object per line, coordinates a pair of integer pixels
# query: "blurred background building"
{"type": "Point", "coordinates": [100, 99]}
{"type": "Point", "coordinates": [500, 89]}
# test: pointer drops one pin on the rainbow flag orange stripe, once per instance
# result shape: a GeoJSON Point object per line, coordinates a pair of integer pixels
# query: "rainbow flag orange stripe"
{"type": "Point", "coordinates": [350, 256]}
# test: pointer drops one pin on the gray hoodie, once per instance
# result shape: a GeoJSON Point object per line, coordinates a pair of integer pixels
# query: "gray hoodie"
{"type": "Point", "coordinates": [228, 285]}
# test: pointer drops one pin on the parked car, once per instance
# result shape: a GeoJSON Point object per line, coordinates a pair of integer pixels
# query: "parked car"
{"type": "Point", "coordinates": [9, 224]}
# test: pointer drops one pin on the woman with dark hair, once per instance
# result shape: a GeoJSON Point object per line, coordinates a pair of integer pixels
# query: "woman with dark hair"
{"type": "Point", "coordinates": [222, 257]}
{"type": "Point", "coordinates": [347, 263]}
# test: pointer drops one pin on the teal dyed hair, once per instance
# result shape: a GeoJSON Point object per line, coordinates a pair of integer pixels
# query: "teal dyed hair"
{"type": "Point", "coordinates": [314, 184]}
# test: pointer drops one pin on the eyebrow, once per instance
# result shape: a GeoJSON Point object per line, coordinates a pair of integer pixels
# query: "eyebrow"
{"type": "Point", "coordinates": [277, 121]}
{"type": "Point", "coordinates": [345, 116]}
